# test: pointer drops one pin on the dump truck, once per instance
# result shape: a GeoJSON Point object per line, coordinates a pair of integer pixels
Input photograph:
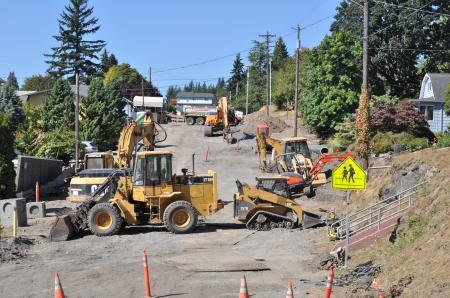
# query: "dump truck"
{"type": "Point", "coordinates": [270, 204]}
{"type": "Point", "coordinates": [152, 195]}
{"type": "Point", "coordinates": [141, 132]}
{"type": "Point", "coordinates": [197, 116]}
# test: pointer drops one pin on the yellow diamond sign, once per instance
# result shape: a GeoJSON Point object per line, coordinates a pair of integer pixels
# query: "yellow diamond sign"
{"type": "Point", "coordinates": [349, 175]}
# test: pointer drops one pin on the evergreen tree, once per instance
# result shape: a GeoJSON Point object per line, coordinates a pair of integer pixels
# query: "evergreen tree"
{"type": "Point", "coordinates": [258, 61]}
{"type": "Point", "coordinates": [9, 102]}
{"type": "Point", "coordinates": [172, 92]}
{"type": "Point", "coordinates": [75, 54]}
{"type": "Point", "coordinates": [103, 115]}
{"type": "Point", "coordinates": [280, 54]}
{"type": "Point", "coordinates": [332, 82]}
{"type": "Point", "coordinates": [237, 78]}
{"type": "Point", "coordinates": [58, 107]}
{"type": "Point", "coordinates": [30, 133]}
{"type": "Point", "coordinates": [107, 61]}
{"type": "Point", "coordinates": [7, 173]}
{"type": "Point", "coordinates": [221, 89]}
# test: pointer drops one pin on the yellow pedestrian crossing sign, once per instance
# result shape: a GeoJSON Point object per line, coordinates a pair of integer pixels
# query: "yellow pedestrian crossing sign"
{"type": "Point", "coordinates": [349, 175]}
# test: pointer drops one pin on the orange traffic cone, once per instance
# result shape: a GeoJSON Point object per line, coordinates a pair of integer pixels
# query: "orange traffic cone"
{"type": "Point", "coordinates": [146, 276]}
{"type": "Point", "coordinates": [329, 282]}
{"type": "Point", "coordinates": [59, 293]}
{"type": "Point", "coordinates": [206, 153]}
{"type": "Point", "coordinates": [243, 292]}
{"type": "Point", "coordinates": [290, 292]}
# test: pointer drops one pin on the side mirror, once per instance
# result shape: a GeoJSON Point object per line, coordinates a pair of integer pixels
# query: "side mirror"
{"type": "Point", "coordinates": [184, 171]}
{"type": "Point", "coordinates": [324, 150]}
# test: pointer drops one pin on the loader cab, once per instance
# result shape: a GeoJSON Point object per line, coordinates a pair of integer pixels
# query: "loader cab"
{"type": "Point", "coordinates": [103, 160]}
{"type": "Point", "coordinates": [296, 145]}
{"type": "Point", "coordinates": [153, 168]}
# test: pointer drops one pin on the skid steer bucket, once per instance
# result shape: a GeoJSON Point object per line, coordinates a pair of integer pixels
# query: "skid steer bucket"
{"type": "Point", "coordinates": [311, 220]}
{"type": "Point", "coordinates": [62, 229]}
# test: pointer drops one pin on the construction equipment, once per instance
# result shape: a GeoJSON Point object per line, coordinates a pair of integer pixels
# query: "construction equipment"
{"type": "Point", "coordinates": [269, 205]}
{"type": "Point", "coordinates": [99, 165]}
{"type": "Point", "coordinates": [304, 178]}
{"type": "Point", "coordinates": [152, 195]}
{"type": "Point", "coordinates": [281, 147]}
{"type": "Point", "coordinates": [222, 121]}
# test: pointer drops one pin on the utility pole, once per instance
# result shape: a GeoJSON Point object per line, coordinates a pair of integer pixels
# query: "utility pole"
{"type": "Point", "coordinates": [150, 74]}
{"type": "Point", "coordinates": [77, 119]}
{"type": "Point", "coordinates": [362, 116]}
{"type": "Point", "coordinates": [142, 92]}
{"type": "Point", "coordinates": [267, 36]}
{"type": "Point", "coordinates": [270, 82]}
{"type": "Point", "coordinates": [246, 100]}
{"type": "Point", "coordinates": [297, 67]}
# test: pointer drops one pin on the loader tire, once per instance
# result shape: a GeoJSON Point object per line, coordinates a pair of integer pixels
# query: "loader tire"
{"type": "Point", "coordinates": [104, 220]}
{"type": "Point", "coordinates": [190, 121]}
{"type": "Point", "coordinates": [180, 217]}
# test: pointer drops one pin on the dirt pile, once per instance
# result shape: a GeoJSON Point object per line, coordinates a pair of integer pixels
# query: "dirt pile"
{"type": "Point", "coordinates": [14, 249]}
{"type": "Point", "coordinates": [252, 120]}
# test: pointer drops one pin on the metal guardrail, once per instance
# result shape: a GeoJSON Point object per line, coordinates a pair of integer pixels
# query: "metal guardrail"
{"type": "Point", "coordinates": [377, 213]}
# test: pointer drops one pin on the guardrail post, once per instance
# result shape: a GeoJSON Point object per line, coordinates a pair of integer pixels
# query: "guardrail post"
{"type": "Point", "coordinates": [379, 218]}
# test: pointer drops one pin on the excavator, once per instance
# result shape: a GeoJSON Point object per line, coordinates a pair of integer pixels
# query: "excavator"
{"type": "Point", "coordinates": [99, 165]}
{"type": "Point", "coordinates": [292, 159]}
{"type": "Point", "coordinates": [270, 204]}
{"type": "Point", "coordinates": [222, 121]}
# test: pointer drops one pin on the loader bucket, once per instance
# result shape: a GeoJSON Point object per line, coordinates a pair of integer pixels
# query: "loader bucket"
{"type": "Point", "coordinates": [311, 220]}
{"type": "Point", "coordinates": [62, 229]}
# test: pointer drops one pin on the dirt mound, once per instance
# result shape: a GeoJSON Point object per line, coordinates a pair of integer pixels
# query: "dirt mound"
{"type": "Point", "coordinates": [14, 249]}
{"type": "Point", "coordinates": [252, 120]}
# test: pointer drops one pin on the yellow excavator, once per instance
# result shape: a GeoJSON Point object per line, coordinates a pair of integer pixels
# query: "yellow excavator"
{"type": "Point", "coordinates": [99, 165]}
{"type": "Point", "coordinates": [270, 204]}
{"type": "Point", "coordinates": [152, 195]}
{"type": "Point", "coordinates": [222, 121]}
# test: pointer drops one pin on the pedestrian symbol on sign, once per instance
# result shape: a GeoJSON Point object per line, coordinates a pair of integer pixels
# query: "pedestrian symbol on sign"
{"type": "Point", "coordinates": [349, 175]}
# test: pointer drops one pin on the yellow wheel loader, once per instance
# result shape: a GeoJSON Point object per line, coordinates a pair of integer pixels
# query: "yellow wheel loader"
{"type": "Point", "coordinates": [99, 165]}
{"type": "Point", "coordinates": [269, 205]}
{"type": "Point", "coordinates": [152, 195]}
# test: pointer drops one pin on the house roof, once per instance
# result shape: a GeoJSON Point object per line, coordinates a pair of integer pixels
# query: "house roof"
{"type": "Point", "coordinates": [439, 82]}
{"type": "Point", "coordinates": [428, 99]}
{"type": "Point", "coordinates": [195, 94]}
{"type": "Point", "coordinates": [23, 95]}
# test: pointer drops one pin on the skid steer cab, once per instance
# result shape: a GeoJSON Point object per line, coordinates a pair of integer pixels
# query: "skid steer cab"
{"type": "Point", "coordinates": [152, 195]}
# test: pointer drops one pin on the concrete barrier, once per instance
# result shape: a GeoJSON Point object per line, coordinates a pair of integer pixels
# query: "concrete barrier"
{"type": "Point", "coordinates": [31, 169]}
{"type": "Point", "coordinates": [35, 209]}
{"type": "Point", "coordinates": [7, 212]}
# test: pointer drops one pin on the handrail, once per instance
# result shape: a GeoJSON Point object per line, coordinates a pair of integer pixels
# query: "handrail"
{"type": "Point", "coordinates": [378, 212]}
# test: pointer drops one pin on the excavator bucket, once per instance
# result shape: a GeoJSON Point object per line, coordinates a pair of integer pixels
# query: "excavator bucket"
{"type": "Point", "coordinates": [62, 229]}
{"type": "Point", "coordinates": [311, 220]}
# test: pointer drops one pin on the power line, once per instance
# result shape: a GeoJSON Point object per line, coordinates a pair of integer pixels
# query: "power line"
{"type": "Point", "coordinates": [410, 49]}
{"type": "Point", "coordinates": [411, 8]}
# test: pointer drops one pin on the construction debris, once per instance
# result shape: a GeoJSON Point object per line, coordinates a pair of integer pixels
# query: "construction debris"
{"type": "Point", "coordinates": [14, 249]}
{"type": "Point", "coordinates": [361, 276]}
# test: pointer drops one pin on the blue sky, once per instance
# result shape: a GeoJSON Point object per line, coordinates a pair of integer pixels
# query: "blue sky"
{"type": "Point", "coordinates": [162, 34]}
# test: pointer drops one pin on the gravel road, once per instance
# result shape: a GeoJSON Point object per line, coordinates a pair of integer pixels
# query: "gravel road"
{"type": "Point", "coordinates": [207, 263]}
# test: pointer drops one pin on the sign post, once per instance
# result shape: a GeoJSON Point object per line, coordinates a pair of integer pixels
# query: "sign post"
{"type": "Point", "coordinates": [348, 176]}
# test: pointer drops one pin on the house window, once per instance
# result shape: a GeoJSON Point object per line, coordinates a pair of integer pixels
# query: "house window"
{"type": "Point", "coordinates": [427, 111]}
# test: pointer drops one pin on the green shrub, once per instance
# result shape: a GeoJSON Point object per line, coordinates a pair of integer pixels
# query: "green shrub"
{"type": "Point", "coordinates": [382, 143]}
{"type": "Point", "coordinates": [417, 144]}
{"type": "Point", "coordinates": [443, 140]}
{"type": "Point", "coordinates": [58, 144]}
